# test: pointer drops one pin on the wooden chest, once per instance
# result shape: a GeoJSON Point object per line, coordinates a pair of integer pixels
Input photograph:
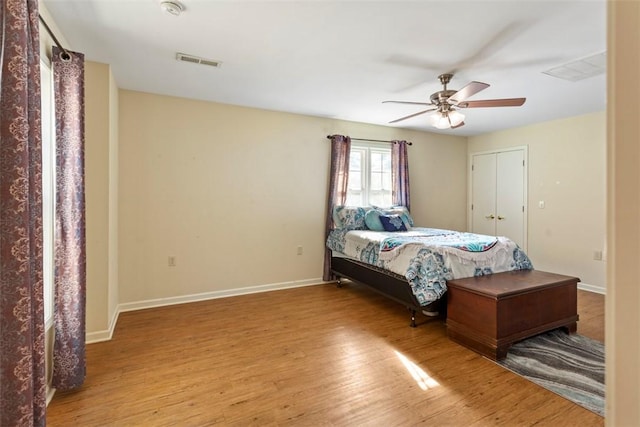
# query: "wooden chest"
{"type": "Point", "coordinates": [489, 313]}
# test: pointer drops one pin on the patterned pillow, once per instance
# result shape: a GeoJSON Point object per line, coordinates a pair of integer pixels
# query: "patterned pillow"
{"type": "Point", "coordinates": [349, 217]}
{"type": "Point", "coordinates": [392, 223]}
{"type": "Point", "coordinates": [398, 210]}
{"type": "Point", "coordinates": [403, 212]}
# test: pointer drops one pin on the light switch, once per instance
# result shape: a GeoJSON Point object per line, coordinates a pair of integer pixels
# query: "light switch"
{"type": "Point", "coordinates": [541, 204]}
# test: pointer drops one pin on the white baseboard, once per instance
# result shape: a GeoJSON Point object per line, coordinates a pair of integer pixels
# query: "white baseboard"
{"type": "Point", "coordinates": [99, 336]}
{"type": "Point", "coordinates": [50, 392]}
{"type": "Point", "coordinates": [592, 288]}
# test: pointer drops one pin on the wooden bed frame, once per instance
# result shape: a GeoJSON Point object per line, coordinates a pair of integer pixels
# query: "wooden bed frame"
{"type": "Point", "coordinates": [391, 285]}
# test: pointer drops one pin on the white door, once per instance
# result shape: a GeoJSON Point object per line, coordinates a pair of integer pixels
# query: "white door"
{"type": "Point", "coordinates": [498, 194]}
{"type": "Point", "coordinates": [483, 202]}
{"type": "Point", "coordinates": [510, 196]}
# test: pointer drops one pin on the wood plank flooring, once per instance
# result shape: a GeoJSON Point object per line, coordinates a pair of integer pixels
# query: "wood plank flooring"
{"type": "Point", "coordinates": [312, 356]}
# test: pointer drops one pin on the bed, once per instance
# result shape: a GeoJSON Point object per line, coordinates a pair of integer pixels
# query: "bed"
{"type": "Point", "coordinates": [382, 248]}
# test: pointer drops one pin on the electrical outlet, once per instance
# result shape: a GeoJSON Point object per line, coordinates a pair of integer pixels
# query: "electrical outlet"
{"type": "Point", "coordinates": [597, 255]}
{"type": "Point", "coordinates": [172, 261]}
{"type": "Point", "coordinates": [299, 250]}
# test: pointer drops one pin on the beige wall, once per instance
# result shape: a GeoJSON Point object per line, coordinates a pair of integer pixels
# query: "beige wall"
{"type": "Point", "coordinates": [231, 192]}
{"type": "Point", "coordinates": [100, 176]}
{"type": "Point", "coordinates": [623, 273]}
{"type": "Point", "coordinates": [567, 171]}
{"type": "Point", "coordinates": [438, 179]}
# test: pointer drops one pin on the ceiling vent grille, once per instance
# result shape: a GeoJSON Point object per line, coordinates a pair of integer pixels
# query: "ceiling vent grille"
{"type": "Point", "coordinates": [580, 69]}
{"type": "Point", "coordinates": [197, 60]}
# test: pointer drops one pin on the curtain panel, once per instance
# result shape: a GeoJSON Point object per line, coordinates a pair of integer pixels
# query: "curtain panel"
{"type": "Point", "coordinates": [338, 181]}
{"type": "Point", "coordinates": [400, 174]}
{"type": "Point", "coordinates": [69, 362]}
{"type": "Point", "coordinates": [22, 353]}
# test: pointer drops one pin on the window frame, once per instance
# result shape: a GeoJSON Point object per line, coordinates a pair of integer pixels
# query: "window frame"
{"type": "Point", "coordinates": [365, 191]}
{"type": "Point", "coordinates": [48, 187]}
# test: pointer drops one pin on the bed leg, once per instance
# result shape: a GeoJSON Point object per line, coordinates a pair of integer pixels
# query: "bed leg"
{"type": "Point", "coordinates": [413, 318]}
{"type": "Point", "coordinates": [339, 282]}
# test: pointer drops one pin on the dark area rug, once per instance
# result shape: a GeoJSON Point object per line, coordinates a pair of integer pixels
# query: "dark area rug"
{"type": "Point", "coordinates": [571, 366]}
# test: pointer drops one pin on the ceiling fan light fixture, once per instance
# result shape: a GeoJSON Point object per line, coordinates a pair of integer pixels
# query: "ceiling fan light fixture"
{"type": "Point", "coordinates": [447, 102]}
{"type": "Point", "coordinates": [446, 119]}
{"type": "Point", "coordinates": [439, 120]}
{"type": "Point", "coordinates": [456, 117]}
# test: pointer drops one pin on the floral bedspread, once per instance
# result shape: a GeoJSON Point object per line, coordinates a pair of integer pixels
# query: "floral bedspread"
{"type": "Point", "coordinates": [428, 257]}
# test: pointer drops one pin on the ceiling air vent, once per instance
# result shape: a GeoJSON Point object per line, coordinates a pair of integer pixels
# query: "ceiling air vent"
{"type": "Point", "coordinates": [581, 69]}
{"type": "Point", "coordinates": [197, 60]}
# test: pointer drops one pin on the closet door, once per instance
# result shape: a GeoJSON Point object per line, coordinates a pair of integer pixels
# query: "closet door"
{"type": "Point", "coordinates": [483, 202]}
{"type": "Point", "coordinates": [498, 194]}
{"type": "Point", "coordinates": [510, 195]}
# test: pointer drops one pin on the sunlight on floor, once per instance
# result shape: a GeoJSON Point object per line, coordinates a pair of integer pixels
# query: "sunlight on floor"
{"type": "Point", "coordinates": [425, 382]}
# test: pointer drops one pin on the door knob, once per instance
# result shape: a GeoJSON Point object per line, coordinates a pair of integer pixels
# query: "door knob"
{"type": "Point", "coordinates": [490, 216]}
{"type": "Point", "coordinates": [500, 218]}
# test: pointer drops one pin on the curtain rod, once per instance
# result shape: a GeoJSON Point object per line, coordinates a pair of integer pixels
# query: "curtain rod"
{"type": "Point", "coordinates": [64, 55]}
{"type": "Point", "coordinates": [372, 140]}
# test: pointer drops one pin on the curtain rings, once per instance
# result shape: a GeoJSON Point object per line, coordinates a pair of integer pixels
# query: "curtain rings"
{"type": "Point", "coordinates": [65, 56]}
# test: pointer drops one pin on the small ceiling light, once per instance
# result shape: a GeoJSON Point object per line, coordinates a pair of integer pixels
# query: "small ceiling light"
{"type": "Point", "coordinates": [455, 118]}
{"type": "Point", "coordinates": [174, 8]}
{"type": "Point", "coordinates": [439, 120]}
{"type": "Point", "coordinates": [446, 119]}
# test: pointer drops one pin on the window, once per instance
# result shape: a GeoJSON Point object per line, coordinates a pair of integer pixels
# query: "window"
{"type": "Point", "coordinates": [48, 186]}
{"type": "Point", "coordinates": [369, 175]}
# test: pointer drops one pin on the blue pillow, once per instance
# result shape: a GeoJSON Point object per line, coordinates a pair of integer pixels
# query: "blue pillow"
{"type": "Point", "coordinates": [392, 223]}
{"type": "Point", "coordinates": [372, 220]}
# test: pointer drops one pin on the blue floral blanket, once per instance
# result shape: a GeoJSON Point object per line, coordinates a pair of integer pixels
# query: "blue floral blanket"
{"type": "Point", "coordinates": [428, 257]}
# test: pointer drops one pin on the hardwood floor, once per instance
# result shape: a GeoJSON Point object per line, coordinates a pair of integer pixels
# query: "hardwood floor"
{"type": "Point", "coordinates": [591, 312]}
{"type": "Point", "coordinates": [315, 356]}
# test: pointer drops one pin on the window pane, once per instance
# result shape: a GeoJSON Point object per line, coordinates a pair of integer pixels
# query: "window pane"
{"type": "Point", "coordinates": [376, 181]}
{"type": "Point", "coordinates": [380, 198]}
{"type": "Point", "coordinates": [355, 160]}
{"type": "Point", "coordinates": [376, 162]}
{"type": "Point", "coordinates": [386, 181]}
{"type": "Point", "coordinates": [376, 198]}
{"type": "Point", "coordinates": [355, 180]}
{"type": "Point", "coordinates": [354, 199]}
{"type": "Point", "coordinates": [386, 162]}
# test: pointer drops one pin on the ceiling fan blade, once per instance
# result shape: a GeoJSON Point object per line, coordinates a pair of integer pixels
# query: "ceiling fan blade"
{"type": "Point", "coordinates": [466, 92]}
{"type": "Point", "coordinates": [506, 102]}
{"type": "Point", "coordinates": [407, 102]}
{"type": "Point", "coordinates": [458, 125]}
{"type": "Point", "coordinates": [412, 115]}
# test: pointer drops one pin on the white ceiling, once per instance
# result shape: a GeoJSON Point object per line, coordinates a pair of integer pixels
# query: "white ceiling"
{"type": "Point", "coordinates": [341, 59]}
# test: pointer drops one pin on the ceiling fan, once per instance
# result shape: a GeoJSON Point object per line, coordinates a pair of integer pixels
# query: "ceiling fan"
{"type": "Point", "coordinates": [448, 102]}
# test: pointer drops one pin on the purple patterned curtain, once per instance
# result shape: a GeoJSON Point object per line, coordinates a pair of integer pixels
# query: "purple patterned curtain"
{"type": "Point", "coordinates": [69, 365]}
{"type": "Point", "coordinates": [22, 355]}
{"type": "Point", "coordinates": [400, 174]}
{"type": "Point", "coordinates": [338, 179]}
